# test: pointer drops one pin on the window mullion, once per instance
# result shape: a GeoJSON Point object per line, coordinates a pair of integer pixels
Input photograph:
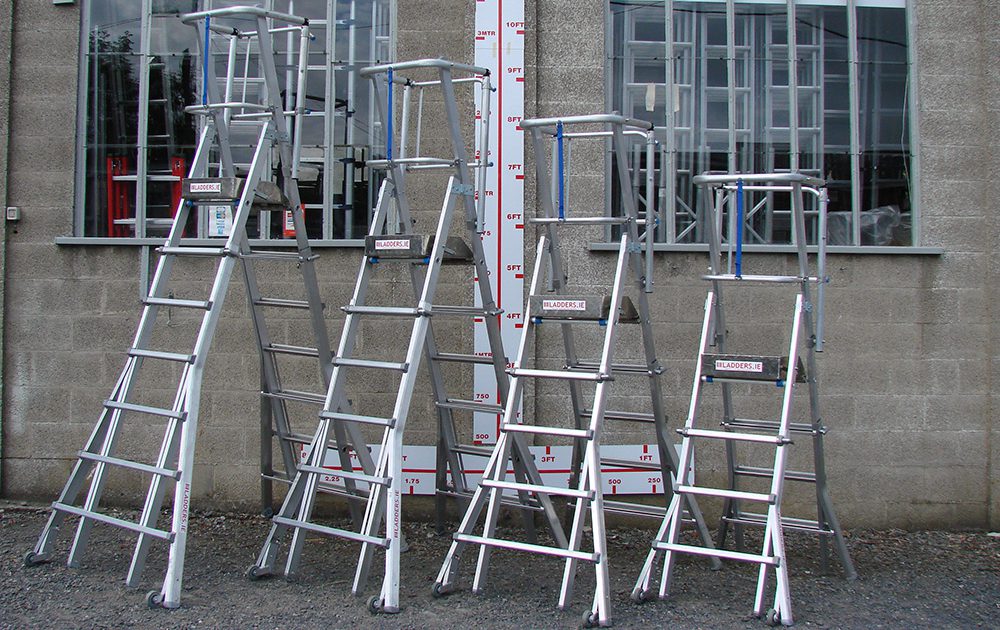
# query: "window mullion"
{"type": "Point", "coordinates": [669, 161]}
{"type": "Point", "coordinates": [731, 79]}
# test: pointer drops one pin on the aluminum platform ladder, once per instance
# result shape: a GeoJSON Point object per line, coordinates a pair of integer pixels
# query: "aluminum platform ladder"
{"type": "Point", "coordinates": [769, 438]}
{"type": "Point", "coordinates": [134, 405]}
{"type": "Point", "coordinates": [567, 311]}
{"type": "Point", "coordinates": [391, 243]}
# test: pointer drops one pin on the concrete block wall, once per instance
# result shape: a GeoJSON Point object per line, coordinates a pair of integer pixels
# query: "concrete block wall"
{"type": "Point", "coordinates": [907, 375]}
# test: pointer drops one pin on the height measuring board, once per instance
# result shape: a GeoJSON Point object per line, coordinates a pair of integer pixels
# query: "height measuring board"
{"type": "Point", "coordinates": [499, 46]}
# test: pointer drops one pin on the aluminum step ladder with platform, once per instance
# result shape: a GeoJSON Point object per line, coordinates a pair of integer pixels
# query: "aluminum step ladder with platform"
{"type": "Point", "coordinates": [568, 311]}
{"type": "Point", "coordinates": [126, 411]}
{"type": "Point", "coordinates": [783, 373]}
{"type": "Point", "coordinates": [391, 243]}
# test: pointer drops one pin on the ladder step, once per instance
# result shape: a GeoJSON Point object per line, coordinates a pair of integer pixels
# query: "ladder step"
{"type": "Point", "coordinates": [730, 277]}
{"type": "Point", "coordinates": [203, 305]}
{"type": "Point", "coordinates": [732, 436]}
{"type": "Point", "coordinates": [299, 351]}
{"type": "Point", "coordinates": [462, 311]}
{"type": "Point", "coordinates": [535, 429]}
{"type": "Point", "coordinates": [744, 367]}
{"type": "Point", "coordinates": [346, 474]}
{"type": "Point", "coordinates": [772, 425]}
{"type": "Point", "coordinates": [388, 311]}
{"type": "Point", "coordinates": [477, 451]}
{"type": "Point", "coordinates": [165, 356]}
{"type": "Point", "coordinates": [724, 554]}
{"type": "Point", "coordinates": [624, 416]}
{"type": "Point", "coordinates": [152, 411]}
{"type": "Point", "coordinates": [536, 489]}
{"type": "Point", "coordinates": [634, 509]}
{"type": "Point", "coordinates": [292, 395]}
{"type": "Point", "coordinates": [787, 522]}
{"type": "Point", "coordinates": [768, 473]}
{"type": "Point", "coordinates": [469, 405]}
{"type": "Point", "coordinates": [505, 501]}
{"type": "Point", "coordinates": [267, 254]}
{"type": "Point", "coordinates": [330, 531]}
{"type": "Point", "coordinates": [350, 417]}
{"type": "Point", "coordinates": [110, 520]}
{"type": "Point", "coordinates": [124, 463]}
{"type": "Point", "coordinates": [589, 308]}
{"type": "Point", "coordinates": [374, 365]}
{"type": "Point", "coordinates": [281, 303]}
{"type": "Point", "coordinates": [628, 463]}
{"type": "Point", "coordinates": [567, 375]}
{"type": "Point", "coordinates": [450, 357]}
{"type": "Point", "coordinates": [520, 546]}
{"type": "Point", "coordinates": [623, 368]}
{"type": "Point", "coordinates": [216, 252]}
{"type": "Point", "coordinates": [722, 493]}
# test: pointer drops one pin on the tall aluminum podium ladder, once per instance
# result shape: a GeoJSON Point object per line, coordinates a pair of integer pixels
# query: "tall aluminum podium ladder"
{"type": "Point", "coordinates": [248, 192]}
{"type": "Point", "coordinates": [568, 311]}
{"type": "Point", "coordinates": [392, 240]}
{"type": "Point", "coordinates": [781, 373]}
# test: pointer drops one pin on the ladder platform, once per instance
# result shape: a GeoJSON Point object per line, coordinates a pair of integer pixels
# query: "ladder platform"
{"type": "Point", "coordinates": [521, 546]}
{"type": "Point", "coordinates": [202, 305]}
{"type": "Point", "coordinates": [298, 351]}
{"type": "Point", "coordinates": [331, 531]}
{"type": "Point", "coordinates": [732, 436]}
{"type": "Point", "coordinates": [537, 489]}
{"type": "Point", "coordinates": [165, 356]}
{"type": "Point", "coordinates": [371, 364]}
{"type": "Point", "coordinates": [452, 357]}
{"type": "Point", "coordinates": [772, 425]}
{"type": "Point", "coordinates": [787, 522]}
{"type": "Point", "coordinates": [722, 493]}
{"type": "Point", "coordinates": [622, 416]}
{"type": "Point", "coordinates": [352, 417]}
{"type": "Point", "coordinates": [458, 404]}
{"type": "Point", "coordinates": [745, 367]}
{"type": "Point", "coordinates": [534, 429]}
{"type": "Point", "coordinates": [292, 395]}
{"type": "Point", "coordinates": [724, 554]}
{"type": "Point", "coordinates": [111, 520]}
{"type": "Point", "coordinates": [152, 411]}
{"type": "Point", "coordinates": [124, 463]}
{"type": "Point", "coordinates": [565, 374]}
{"type": "Point", "coordinates": [585, 308]}
{"type": "Point", "coordinates": [412, 247]}
{"type": "Point", "coordinates": [768, 473]}
{"type": "Point", "coordinates": [346, 474]}
{"type": "Point", "coordinates": [267, 196]}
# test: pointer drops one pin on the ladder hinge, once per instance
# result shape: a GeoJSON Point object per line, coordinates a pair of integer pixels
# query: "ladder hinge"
{"type": "Point", "coordinates": [634, 248]}
{"type": "Point", "coordinates": [807, 307]}
{"type": "Point", "coordinates": [463, 189]}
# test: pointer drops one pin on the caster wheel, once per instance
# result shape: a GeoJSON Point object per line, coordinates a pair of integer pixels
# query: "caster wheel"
{"type": "Point", "coordinates": [153, 599]}
{"type": "Point", "coordinates": [439, 590]}
{"type": "Point", "coordinates": [374, 605]}
{"type": "Point", "coordinates": [639, 596]}
{"type": "Point", "coordinates": [267, 512]}
{"type": "Point", "coordinates": [255, 573]}
{"type": "Point", "coordinates": [589, 620]}
{"type": "Point", "coordinates": [772, 618]}
{"type": "Point", "coordinates": [30, 559]}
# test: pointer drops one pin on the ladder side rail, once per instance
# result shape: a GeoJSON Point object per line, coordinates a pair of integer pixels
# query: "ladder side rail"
{"type": "Point", "coordinates": [404, 131]}
{"type": "Point", "coordinates": [211, 90]}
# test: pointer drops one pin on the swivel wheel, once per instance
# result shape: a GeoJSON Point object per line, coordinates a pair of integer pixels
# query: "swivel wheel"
{"type": "Point", "coordinates": [439, 590]}
{"type": "Point", "coordinates": [375, 605]}
{"type": "Point", "coordinates": [31, 559]}
{"type": "Point", "coordinates": [255, 573]}
{"type": "Point", "coordinates": [639, 596]}
{"type": "Point", "coordinates": [589, 620]}
{"type": "Point", "coordinates": [772, 618]}
{"type": "Point", "coordinates": [154, 599]}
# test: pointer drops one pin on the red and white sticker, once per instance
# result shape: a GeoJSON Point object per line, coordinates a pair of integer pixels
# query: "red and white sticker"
{"type": "Point", "coordinates": [564, 305]}
{"type": "Point", "coordinates": [392, 243]}
{"type": "Point", "coordinates": [728, 365]}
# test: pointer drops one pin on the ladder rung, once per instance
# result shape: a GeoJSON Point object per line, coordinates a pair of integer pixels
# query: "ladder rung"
{"type": "Point", "coordinates": [292, 395]}
{"type": "Point", "coordinates": [579, 220]}
{"type": "Point", "coordinates": [216, 252]}
{"type": "Point", "coordinates": [299, 351]}
{"type": "Point", "coordinates": [464, 311]}
{"type": "Point", "coordinates": [536, 489]}
{"type": "Point", "coordinates": [302, 438]}
{"type": "Point", "coordinates": [264, 254]}
{"type": "Point", "coordinates": [624, 416]}
{"type": "Point", "coordinates": [281, 303]}
{"type": "Point", "coordinates": [198, 304]}
{"type": "Point", "coordinates": [535, 429]}
{"type": "Point", "coordinates": [622, 368]}
{"type": "Point", "coordinates": [374, 365]}
{"type": "Point", "coordinates": [634, 509]}
{"type": "Point", "coordinates": [730, 277]}
{"type": "Point", "coordinates": [722, 493]}
{"type": "Point", "coordinates": [767, 473]}
{"type": "Point", "coordinates": [153, 411]}
{"type": "Point", "coordinates": [725, 554]}
{"type": "Point", "coordinates": [787, 522]}
{"type": "Point", "coordinates": [124, 463]}
{"type": "Point", "coordinates": [350, 417]}
{"type": "Point", "coordinates": [559, 374]}
{"type": "Point", "coordinates": [505, 501]}
{"type": "Point", "coordinates": [520, 546]}
{"type": "Point", "coordinates": [331, 531]}
{"type": "Point", "coordinates": [745, 381]}
{"type": "Point", "coordinates": [324, 488]}
{"type": "Point", "coordinates": [346, 474]}
{"type": "Point", "coordinates": [388, 311]}
{"type": "Point", "coordinates": [732, 436]}
{"type": "Point", "coordinates": [477, 451]}
{"type": "Point", "coordinates": [463, 358]}
{"type": "Point", "coordinates": [772, 425]}
{"type": "Point", "coordinates": [165, 356]}
{"type": "Point", "coordinates": [110, 520]}
{"type": "Point", "coordinates": [629, 463]}
{"type": "Point", "coordinates": [469, 405]}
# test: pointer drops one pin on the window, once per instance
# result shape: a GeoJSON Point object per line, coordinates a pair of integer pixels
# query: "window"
{"type": "Point", "coordinates": [723, 104]}
{"type": "Point", "coordinates": [131, 157]}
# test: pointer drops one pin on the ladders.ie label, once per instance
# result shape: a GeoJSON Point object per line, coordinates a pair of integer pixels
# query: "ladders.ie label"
{"type": "Point", "coordinates": [392, 243]}
{"type": "Point", "coordinates": [206, 187]}
{"type": "Point", "coordinates": [725, 365]}
{"type": "Point", "coordinates": [564, 305]}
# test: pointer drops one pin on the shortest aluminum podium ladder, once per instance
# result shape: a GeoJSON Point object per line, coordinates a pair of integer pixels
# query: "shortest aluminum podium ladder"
{"type": "Point", "coordinates": [716, 365]}
{"type": "Point", "coordinates": [134, 408]}
{"type": "Point", "coordinates": [600, 318]}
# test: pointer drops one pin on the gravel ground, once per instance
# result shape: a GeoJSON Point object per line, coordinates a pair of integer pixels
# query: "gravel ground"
{"type": "Point", "coordinates": [908, 580]}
